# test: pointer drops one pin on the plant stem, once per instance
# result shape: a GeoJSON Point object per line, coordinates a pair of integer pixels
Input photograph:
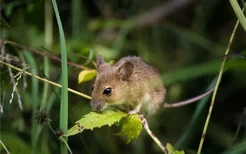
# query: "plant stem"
{"type": "Point", "coordinates": [46, 80]}
{"type": "Point", "coordinates": [64, 91]}
{"type": "Point", "coordinates": [5, 148]}
{"type": "Point", "coordinates": [151, 134]}
{"type": "Point", "coordinates": [48, 40]}
{"type": "Point", "coordinates": [216, 89]}
{"type": "Point", "coordinates": [30, 59]}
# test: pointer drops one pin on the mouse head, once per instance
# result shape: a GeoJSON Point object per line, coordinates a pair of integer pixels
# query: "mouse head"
{"type": "Point", "coordinates": [111, 84]}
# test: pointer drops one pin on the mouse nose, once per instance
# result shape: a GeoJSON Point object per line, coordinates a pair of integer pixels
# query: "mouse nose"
{"type": "Point", "coordinates": [95, 105]}
{"type": "Point", "coordinates": [95, 109]}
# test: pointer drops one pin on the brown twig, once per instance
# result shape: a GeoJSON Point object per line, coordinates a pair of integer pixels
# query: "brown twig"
{"type": "Point", "coordinates": [152, 135]}
{"type": "Point", "coordinates": [41, 53]}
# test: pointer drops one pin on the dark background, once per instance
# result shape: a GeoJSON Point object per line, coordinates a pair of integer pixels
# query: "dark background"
{"type": "Point", "coordinates": [185, 39]}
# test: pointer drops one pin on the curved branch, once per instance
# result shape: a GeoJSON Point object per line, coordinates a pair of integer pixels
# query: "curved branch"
{"type": "Point", "coordinates": [41, 53]}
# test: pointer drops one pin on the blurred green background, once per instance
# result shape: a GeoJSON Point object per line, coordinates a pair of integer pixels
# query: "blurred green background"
{"type": "Point", "coordinates": [185, 39]}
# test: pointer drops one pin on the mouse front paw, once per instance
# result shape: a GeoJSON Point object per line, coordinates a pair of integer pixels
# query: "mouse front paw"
{"type": "Point", "coordinates": [136, 109]}
{"type": "Point", "coordinates": [133, 112]}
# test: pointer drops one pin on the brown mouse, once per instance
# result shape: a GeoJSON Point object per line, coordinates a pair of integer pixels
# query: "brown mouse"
{"type": "Point", "coordinates": [131, 85]}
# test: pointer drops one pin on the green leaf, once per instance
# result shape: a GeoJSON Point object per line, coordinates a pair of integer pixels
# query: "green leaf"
{"type": "Point", "coordinates": [86, 75]}
{"type": "Point", "coordinates": [236, 64]}
{"type": "Point", "coordinates": [171, 150]}
{"type": "Point", "coordinates": [131, 127]}
{"type": "Point", "coordinates": [239, 13]}
{"type": "Point", "coordinates": [111, 62]}
{"type": "Point", "coordinates": [14, 143]}
{"type": "Point", "coordinates": [95, 120]}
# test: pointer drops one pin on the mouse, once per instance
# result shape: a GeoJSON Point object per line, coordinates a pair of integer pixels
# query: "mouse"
{"type": "Point", "coordinates": [131, 85]}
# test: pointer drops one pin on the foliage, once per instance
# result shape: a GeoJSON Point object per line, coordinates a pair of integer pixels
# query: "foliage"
{"type": "Point", "coordinates": [131, 127]}
{"type": "Point", "coordinates": [131, 124]}
{"type": "Point", "coordinates": [86, 75]}
{"type": "Point", "coordinates": [64, 78]}
{"type": "Point", "coordinates": [185, 41]}
{"type": "Point", "coordinates": [95, 120]}
{"type": "Point", "coordinates": [171, 150]}
{"type": "Point", "coordinates": [239, 13]}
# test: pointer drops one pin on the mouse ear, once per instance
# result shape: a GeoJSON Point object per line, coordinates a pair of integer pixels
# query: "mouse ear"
{"type": "Point", "coordinates": [100, 60]}
{"type": "Point", "coordinates": [126, 70]}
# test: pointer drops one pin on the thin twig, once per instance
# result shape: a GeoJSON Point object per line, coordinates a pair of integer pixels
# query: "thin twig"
{"type": "Point", "coordinates": [45, 80]}
{"type": "Point", "coordinates": [15, 89]}
{"type": "Point", "coordinates": [41, 53]}
{"type": "Point", "coordinates": [1, 102]}
{"type": "Point", "coordinates": [4, 147]}
{"type": "Point", "coordinates": [65, 142]}
{"type": "Point", "coordinates": [3, 51]}
{"type": "Point", "coordinates": [151, 134]}
{"type": "Point", "coordinates": [216, 89]}
{"type": "Point", "coordinates": [18, 75]}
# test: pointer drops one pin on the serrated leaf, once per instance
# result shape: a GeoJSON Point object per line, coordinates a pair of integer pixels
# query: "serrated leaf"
{"type": "Point", "coordinates": [95, 120]}
{"type": "Point", "coordinates": [172, 150]}
{"type": "Point", "coordinates": [131, 127]}
{"type": "Point", "coordinates": [86, 75]}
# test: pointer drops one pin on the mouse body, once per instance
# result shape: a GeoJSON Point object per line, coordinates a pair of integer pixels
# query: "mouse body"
{"type": "Point", "coordinates": [130, 84]}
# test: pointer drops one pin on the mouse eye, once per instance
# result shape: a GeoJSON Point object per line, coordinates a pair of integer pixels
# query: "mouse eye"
{"type": "Point", "coordinates": [92, 87]}
{"type": "Point", "coordinates": [107, 91]}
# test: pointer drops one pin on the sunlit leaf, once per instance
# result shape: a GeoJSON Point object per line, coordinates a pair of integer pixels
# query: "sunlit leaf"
{"type": "Point", "coordinates": [95, 120]}
{"type": "Point", "coordinates": [131, 127]}
{"type": "Point", "coordinates": [171, 150]}
{"type": "Point", "coordinates": [86, 75]}
{"type": "Point", "coordinates": [111, 62]}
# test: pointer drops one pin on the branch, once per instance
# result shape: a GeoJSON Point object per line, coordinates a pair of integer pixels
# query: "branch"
{"type": "Point", "coordinates": [41, 53]}
{"type": "Point", "coordinates": [45, 80]}
{"type": "Point", "coordinates": [216, 88]}
{"type": "Point", "coordinates": [152, 135]}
